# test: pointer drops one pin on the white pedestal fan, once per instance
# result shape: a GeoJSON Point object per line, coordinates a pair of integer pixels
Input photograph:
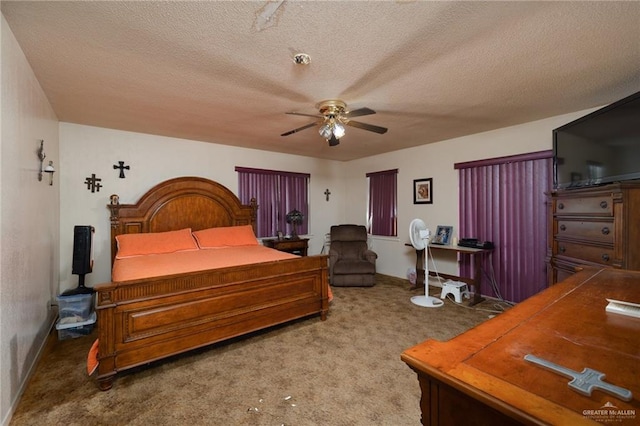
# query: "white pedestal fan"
{"type": "Point", "coordinates": [419, 236]}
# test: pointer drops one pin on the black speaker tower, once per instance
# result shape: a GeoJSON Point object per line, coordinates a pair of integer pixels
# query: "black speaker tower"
{"type": "Point", "coordinates": [82, 263]}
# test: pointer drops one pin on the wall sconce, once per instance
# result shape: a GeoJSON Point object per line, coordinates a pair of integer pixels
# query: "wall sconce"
{"type": "Point", "coordinates": [50, 170]}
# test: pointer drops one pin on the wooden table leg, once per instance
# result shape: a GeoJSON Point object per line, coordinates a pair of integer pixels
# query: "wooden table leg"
{"type": "Point", "coordinates": [419, 270]}
{"type": "Point", "coordinates": [477, 280]}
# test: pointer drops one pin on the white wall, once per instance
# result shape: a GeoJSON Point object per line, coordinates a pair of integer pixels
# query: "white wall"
{"type": "Point", "coordinates": [86, 150]}
{"type": "Point", "coordinates": [29, 212]}
{"type": "Point", "coordinates": [436, 161]}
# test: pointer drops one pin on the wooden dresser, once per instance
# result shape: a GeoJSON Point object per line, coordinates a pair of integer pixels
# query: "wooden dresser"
{"type": "Point", "coordinates": [594, 226]}
{"type": "Point", "coordinates": [481, 377]}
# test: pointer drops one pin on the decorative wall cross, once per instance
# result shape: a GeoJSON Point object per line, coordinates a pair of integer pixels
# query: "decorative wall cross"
{"type": "Point", "coordinates": [327, 193]}
{"type": "Point", "coordinates": [122, 168]}
{"type": "Point", "coordinates": [93, 183]}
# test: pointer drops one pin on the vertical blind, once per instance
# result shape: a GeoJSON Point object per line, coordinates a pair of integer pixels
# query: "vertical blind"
{"type": "Point", "coordinates": [382, 208]}
{"type": "Point", "coordinates": [277, 193]}
{"type": "Point", "coordinates": [503, 200]}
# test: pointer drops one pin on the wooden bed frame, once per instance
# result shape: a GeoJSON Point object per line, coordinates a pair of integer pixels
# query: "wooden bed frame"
{"type": "Point", "coordinates": [145, 320]}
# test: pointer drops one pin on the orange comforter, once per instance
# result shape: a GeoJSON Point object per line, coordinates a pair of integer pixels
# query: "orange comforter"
{"type": "Point", "coordinates": [157, 265]}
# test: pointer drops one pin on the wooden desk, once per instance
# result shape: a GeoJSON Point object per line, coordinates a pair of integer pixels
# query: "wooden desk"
{"type": "Point", "coordinates": [476, 256]}
{"type": "Point", "coordinates": [480, 377]}
{"type": "Point", "coordinates": [298, 246]}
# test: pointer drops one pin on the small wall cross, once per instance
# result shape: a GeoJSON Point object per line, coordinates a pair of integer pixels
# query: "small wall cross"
{"type": "Point", "coordinates": [327, 193]}
{"type": "Point", "coordinates": [93, 183]}
{"type": "Point", "coordinates": [122, 168]}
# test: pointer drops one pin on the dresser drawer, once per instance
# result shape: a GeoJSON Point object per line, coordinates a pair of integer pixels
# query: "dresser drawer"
{"type": "Point", "coordinates": [592, 206]}
{"type": "Point", "coordinates": [584, 252]}
{"type": "Point", "coordinates": [599, 231]}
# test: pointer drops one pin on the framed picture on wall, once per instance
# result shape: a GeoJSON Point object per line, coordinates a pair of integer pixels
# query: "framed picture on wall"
{"type": "Point", "coordinates": [423, 191]}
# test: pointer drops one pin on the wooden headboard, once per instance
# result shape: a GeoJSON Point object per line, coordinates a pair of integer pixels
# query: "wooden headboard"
{"type": "Point", "coordinates": [185, 202]}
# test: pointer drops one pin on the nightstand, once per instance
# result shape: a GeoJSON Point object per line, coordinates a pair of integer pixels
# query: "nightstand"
{"type": "Point", "coordinates": [298, 246]}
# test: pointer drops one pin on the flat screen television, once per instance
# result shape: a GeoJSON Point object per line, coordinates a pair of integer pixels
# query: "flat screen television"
{"type": "Point", "coordinates": [601, 147]}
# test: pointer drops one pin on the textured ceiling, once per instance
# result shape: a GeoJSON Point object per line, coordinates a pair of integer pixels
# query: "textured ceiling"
{"type": "Point", "coordinates": [223, 72]}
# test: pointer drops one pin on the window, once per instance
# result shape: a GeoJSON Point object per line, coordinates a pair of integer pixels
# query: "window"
{"type": "Point", "coordinates": [277, 193]}
{"type": "Point", "coordinates": [382, 209]}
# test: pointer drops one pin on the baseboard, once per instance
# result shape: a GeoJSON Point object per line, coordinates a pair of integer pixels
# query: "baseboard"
{"type": "Point", "coordinates": [44, 344]}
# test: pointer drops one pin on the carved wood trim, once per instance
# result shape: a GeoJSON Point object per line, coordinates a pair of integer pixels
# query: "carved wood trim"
{"type": "Point", "coordinates": [203, 204]}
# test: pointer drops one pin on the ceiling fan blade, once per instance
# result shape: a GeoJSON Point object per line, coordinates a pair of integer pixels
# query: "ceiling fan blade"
{"type": "Point", "coordinates": [305, 115]}
{"type": "Point", "coordinates": [306, 126]}
{"type": "Point", "coordinates": [333, 141]}
{"type": "Point", "coordinates": [365, 126]}
{"type": "Point", "coordinates": [359, 112]}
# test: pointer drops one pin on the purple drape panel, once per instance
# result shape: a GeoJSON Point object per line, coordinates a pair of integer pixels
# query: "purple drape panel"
{"type": "Point", "coordinates": [383, 196]}
{"type": "Point", "coordinates": [277, 193]}
{"type": "Point", "coordinates": [505, 202]}
{"type": "Point", "coordinates": [294, 196]}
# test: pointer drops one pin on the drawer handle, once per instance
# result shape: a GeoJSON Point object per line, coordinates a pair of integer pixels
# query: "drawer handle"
{"type": "Point", "coordinates": [562, 249]}
{"type": "Point", "coordinates": [605, 231]}
{"type": "Point", "coordinates": [603, 204]}
{"type": "Point", "coordinates": [560, 206]}
{"type": "Point", "coordinates": [563, 228]}
{"type": "Point", "coordinates": [605, 257]}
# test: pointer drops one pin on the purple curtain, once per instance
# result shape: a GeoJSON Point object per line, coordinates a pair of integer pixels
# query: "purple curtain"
{"type": "Point", "coordinates": [277, 193]}
{"type": "Point", "coordinates": [383, 199]}
{"type": "Point", "coordinates": [503, 200]}
{"type": "Point", "coordinates": [293, 196]}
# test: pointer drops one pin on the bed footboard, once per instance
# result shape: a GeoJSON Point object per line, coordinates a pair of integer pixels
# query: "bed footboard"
{"type": "Point", "coordinates": [147, 320]}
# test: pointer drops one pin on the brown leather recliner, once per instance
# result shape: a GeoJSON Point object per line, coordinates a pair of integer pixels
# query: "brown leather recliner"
{"type": "Point", "coordinates": [351, 263]}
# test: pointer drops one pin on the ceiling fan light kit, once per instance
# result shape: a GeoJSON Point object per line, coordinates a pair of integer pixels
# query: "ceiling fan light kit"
{"type": "Point", "coordinates": [325, 131]}
{"type": "Point", "coordinates": [332, 128]}
{"type": "Point", "coordinates": [333, 118]}
{"type": "Point", "coordinates": [338, 130]}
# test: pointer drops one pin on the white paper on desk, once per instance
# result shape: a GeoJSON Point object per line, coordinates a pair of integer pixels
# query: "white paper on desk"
{"type": "Point", "coordinates": [623, 308]}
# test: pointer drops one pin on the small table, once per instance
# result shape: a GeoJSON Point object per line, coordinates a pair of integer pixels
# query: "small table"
{"type": "Point", "coordinates": [476, 255]}
{"type": "Point", "coordinates": [297, 246]}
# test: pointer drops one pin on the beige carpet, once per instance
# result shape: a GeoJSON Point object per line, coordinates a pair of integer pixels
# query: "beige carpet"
{"type": "Point", "coordinates": [342, 371]}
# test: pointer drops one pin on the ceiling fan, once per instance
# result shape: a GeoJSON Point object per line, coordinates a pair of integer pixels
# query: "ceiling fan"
{"type": "Point", "coordinates": [333, 118]}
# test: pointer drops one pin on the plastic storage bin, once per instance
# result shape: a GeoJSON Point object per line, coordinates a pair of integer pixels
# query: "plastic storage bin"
{"type": "Point", "coordinates": [76, 306]}
{"type": "Point", "coordinates": [71, 330]}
